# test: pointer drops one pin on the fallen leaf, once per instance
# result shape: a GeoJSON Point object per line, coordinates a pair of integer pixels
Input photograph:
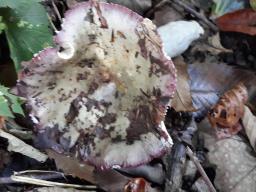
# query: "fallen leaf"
{"type": "Point", "coordinates": [109, 180]}
{"type": "Point", "coordinates": [72, 166]}
{"type": "Point", "coordinates": [234, 160]}
{"type": "Point", "coordinates": [249, 123]}
{"type": "Point", "coordinates": [225, 6]}
{"type": "Point", "coordinates": [242, 21]}
{"type": "Point", "coordinates": [209, 80]}
{"type": "Point", "coordinates": [5, 158]}
{"type": "Point", "coordinates": [225, 115]}
{"type": "Point", "coordinates": [18, 146]}
{"type": "Point", "coordinates": [214, 41]}
{"type": "Point", "coordinates": [182, 100]}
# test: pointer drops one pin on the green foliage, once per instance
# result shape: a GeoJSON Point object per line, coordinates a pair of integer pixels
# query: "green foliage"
{"type": "Point", "coordinates": [9, 103]}
{"type": "Point", "coordinates": [253, 4]}
{"type": "Point", "coordinates": [27, 28]}
{"type": "Point", "coordinates": [2, 25]}
{"type": "Point", "coordinates": [225, 6]}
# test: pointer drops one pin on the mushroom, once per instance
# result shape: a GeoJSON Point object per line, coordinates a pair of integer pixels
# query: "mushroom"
{"type": "Point", "coordinates": [102, 93]}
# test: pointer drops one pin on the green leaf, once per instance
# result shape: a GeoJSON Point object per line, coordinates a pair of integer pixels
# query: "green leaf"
{"type": "Point", "coordinates": [9, 103]}
{"type": "Point", "coordinates": [253, 4]}
{"type": "Point", "coordinates": [2, 25]}
{"type": "Point", "coordinates": [4, 108]}
{"type": "Point", "coordinates": [27, 28]}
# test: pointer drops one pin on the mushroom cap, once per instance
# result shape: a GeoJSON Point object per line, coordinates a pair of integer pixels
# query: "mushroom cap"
{"type": "Point", "coordinates": [101, 94]}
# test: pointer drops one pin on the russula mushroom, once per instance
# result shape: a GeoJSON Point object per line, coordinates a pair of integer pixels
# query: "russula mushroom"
{"type": "Point", "coordinates": [101, 94]}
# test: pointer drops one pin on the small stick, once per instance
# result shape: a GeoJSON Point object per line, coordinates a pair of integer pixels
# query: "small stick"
{"type": "Point", "coordinates": [150, 12]}
{"type": "Point", "coordinates": [56, 11]}
{"type": "Point", "coordinates": [41, 180]}
{"type": "Point", "coordinates": [196, 14]}
{"type": "Point", "coordinates": [48, 176]}
{"type": "Point", "coordinates": [52, 24]}
{"type": "Point", "coordinates": [200, 169]}
{"type": "Point", "coordinates": [185, 7]}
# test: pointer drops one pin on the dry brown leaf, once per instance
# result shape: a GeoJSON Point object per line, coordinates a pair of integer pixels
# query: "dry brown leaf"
{"type": "Point", "coordinates": [182, 100]}
{"type": "Point", "coordinates": [229, 110]}
{"type": "Point", "coordinates": [209, 80]}
{"type": "Point", "coordinates": [249, 122]}
{"type": "Point", "coordinates": [2, 122]}
{"type": "Point", "coordinates": [19, 146]}
{"type": "Point", "coordinates": [242, 21]}
{"type": "Point", "coordinates": [215, 44]}
{"type": "Point", "coordinates": [108, 180]}
{"type": "Point", "coordinates": [72, 166]}
{"type": "Point", "coordinates": [234, 159]}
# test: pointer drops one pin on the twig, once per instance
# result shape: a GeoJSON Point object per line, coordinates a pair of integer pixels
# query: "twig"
{"type": "Point", "coordinates": [40, 180]}
{"type": "Point", "coordinates": [150, 12]}
{"type": "Point", "coordinates": [200, 169]}
{"type": "Point", "coordinates": [48, 176]}
{"type": "Point", "coordinates": [52, 24]}
{"type": "Point", "coordinates": [175, 167]}
{"type": "Point", "coordinates": [185, 7]}
{"type": "Point", "coordinates": [19, 146]}
{"type": "Point", "coordinates": [56, 11]}
{"type": "Point", "coordinates": [196, 14]}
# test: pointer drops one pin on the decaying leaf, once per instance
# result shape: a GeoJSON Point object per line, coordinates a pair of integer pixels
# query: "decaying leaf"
{"type": "Point", "coordinates": [209, 80]}
{"type": "Point", "coordinates": [249, 123]}
{"type": "Point", "coordinates": [225, 6]}
{"type": "Point", "coordinates": [109, 180]}
{"type": "Point", "coordinates": [225, 115]}
{"type": "Point", "coordinates": [102, 95]}
{"type": "Point", "coordinates": [242, 21]}
{"type": "Point", "coordinates": [71, 166]}
{"type": "Point", "coordinates": [182, 100]}
{"type": "Point", "coordinates": [18, 146]}
{"type": "Point", "coordinates": [234, 159]}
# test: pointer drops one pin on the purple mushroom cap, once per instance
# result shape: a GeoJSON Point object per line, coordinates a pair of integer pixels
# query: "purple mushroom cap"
{"type": "Point", "coordinates": [102, 93]}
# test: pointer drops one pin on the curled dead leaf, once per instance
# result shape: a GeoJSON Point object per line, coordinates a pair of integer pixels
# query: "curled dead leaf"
{"type": "Point", "coordinates": [182, 100]}
{"type": "Point", "coordinates": [249, 122]}
{"type": "Point", "coordinates": [242, 21]}
{"type": "Point", "coordinates": [225, 115]}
